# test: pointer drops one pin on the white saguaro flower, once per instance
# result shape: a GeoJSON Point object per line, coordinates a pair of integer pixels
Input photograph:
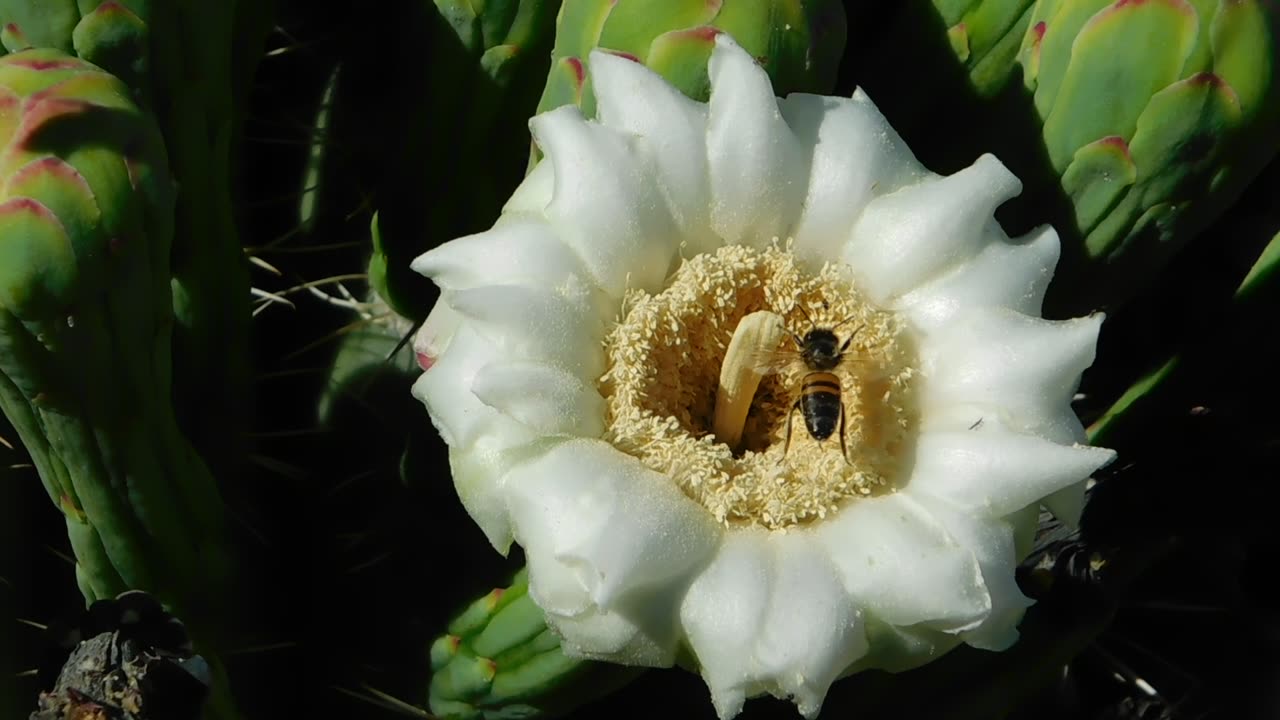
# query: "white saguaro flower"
{"type": "Point", "coordinates": [574, 360]}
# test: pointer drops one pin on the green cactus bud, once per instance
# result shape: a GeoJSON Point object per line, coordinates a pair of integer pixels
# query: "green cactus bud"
{"type": "Point", "coordinates": [1134, 126]}
{"type": "Point", "coordinates": [85, 317]}
{"type": "Point", "coordinates": [179, 61]}
{"type": "Point", "coordinates": [25, 24]}
{"type": "Point", "coordinates": [799, 42]}
{"type": "Point", "coordinates": [112, 34]}
{"type": "Point", "coordinates": [499, 660]}
{"type": "Point", "coordinates": [985, 36]}
{"type": "Point", "coordinates": [116, 36]}
{"type": "Point", "coordinates": [1156, 115]}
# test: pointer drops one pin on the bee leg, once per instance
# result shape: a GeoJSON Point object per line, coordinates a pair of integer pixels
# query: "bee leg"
{"type": "Point", "coordinates": [790, 416]}
{"type": "Point", "coordinates": [843, 450]}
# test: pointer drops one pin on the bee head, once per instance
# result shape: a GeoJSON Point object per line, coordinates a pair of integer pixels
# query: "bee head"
{"type": "Point", "coordinates": [821, 349]}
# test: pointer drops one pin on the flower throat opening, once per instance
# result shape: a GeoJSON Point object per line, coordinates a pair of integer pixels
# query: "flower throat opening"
{"type": "Point", "coordinates": [665, 358]}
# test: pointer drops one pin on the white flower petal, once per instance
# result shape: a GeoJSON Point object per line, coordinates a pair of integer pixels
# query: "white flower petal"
{"type": "Point", "coordinates": [477, 476]}
{"type": "Point", "coordinates": [997, 473]}
{"type": "Point", "coordinates": [1003, 275]}
{"type": "Point", "coordinates": [1024, 368]}
{"type": "Point", "coordinates": [433, 338]}
{"type": "Point", "coordinates": [992, 543]}
{"type": "Point", "coordinates": [770, 615]}
{"type": "Point", "coordinates": [1067, 504]}
{"type": "Point", "coordinates": [607, 205]}
{"type": "Point", "coordinates": [812, 631]}
{"type": "Point", "coordinates": [612, 637]}
{"type": "Point", "coordinates": [548, 400]}
{"type": "Point", "coordinates": [905, 238]}
{"type": "Point", "coordinates": [533, 324]}
{"type": "Point", "coordinates": [897, 649]}
{"type": "Point", "coordinates": [722, 614]}
{"type": "Point", "coordinates": [534, 193]}
{"type": "Point", "coordinates": [523, 251]}
{"type": "Point", "coordinates": [1026, 525]}
{"type": "Point", "coordinates": [631, 97]}
{"type": "Point", "coordinates": [601, 532]}
{"type": "Point", "coordinates": [458, 415]}
{"type": "Point", "coordinates": [902, 566]}
{"type": "Point", "coordinates": [758, 169]}
{"type": "Point", "coordinates": [856, 156]}
{"type": "Point", "coordinates": [625, 566]}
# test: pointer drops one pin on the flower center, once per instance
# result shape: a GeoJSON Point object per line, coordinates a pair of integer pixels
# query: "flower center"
{"type": "Point", "coordinates": [665, 365]}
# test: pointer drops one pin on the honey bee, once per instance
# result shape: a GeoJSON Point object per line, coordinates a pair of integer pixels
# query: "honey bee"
{"type": "Point", "coordinates": [819, 400]}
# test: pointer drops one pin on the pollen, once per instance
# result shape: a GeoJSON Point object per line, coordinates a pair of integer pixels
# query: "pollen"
{"type": "Point", "coordinates": [665, 361]}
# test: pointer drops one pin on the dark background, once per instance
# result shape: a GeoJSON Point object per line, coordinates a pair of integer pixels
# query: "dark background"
{"type": "Point", "coordinates": [354, 567]}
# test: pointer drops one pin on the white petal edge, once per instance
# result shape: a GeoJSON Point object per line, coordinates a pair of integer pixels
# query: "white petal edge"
{"type": "Point", "coordinates": [611, 637]}
{"type": "Point", "coordinates": [547, 400]}
{"type": "Point", "coordinates": [897, 649]}
{"type": "Point", "coordinates": [458, 415]}
{"type": "Point", "coordinates": [722, 614]}
{"type": "Point", "coordinates": [770, 615]}
{"type": "Point", "coordinates": [997, 473]}
{"type": "Point", "coordinates": [1025, 369]}
{"type": "Point", "coordinates": [477, 476]}
{"type": "Point", "coordinates": [991, 540]}
{"type": "Point", "coordinates": [812, 629]}
{"type": "Point", "coordinates": [856, 156]}
{"type": "Point", "coordinates": [533, 324]}
{"type": "Point", "coordinates": [872, 540]}
{"type": "Point", "coordinates": [633, 98]}
{"type": "Point", "coordinates": [606, 204]}
{"type": "Point", "coordinates": [522, 251]}
{"type": "Point", "coordinates": [602, 533]}
{"type": "Point", "coordinates": [534, 192]}
{"type": "Point", "coordinates": [1067, 504]}
{"type": "Point", "coordinates": [758, 170]}
{"type": "Point", "coordinates": [437, 331]}
{"type": "Point", "coordinates": [903, 239]}
{"type": "Point", "coordinates": [1012, 275]}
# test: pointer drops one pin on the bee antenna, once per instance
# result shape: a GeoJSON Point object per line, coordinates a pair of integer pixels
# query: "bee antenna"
{"type": "Point", "coordinates": [842, 322]}
{"type": "Point", "coordinates": [808, 317]}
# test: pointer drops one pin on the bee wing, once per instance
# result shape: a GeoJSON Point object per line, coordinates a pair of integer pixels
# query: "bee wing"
{"type": "Point", "coordinates": [865, 369]}
{"type": "Point", "coordinates": [768, 362]}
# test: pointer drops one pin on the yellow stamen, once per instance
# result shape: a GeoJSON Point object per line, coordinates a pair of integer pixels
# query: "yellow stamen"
{"type": "Point", "coordinates": [667, 357]}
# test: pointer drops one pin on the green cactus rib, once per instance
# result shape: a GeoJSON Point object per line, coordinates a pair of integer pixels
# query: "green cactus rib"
{"type": "Point", "coordinates": [1135, 125]}
{"type": "Point", "coordinates": [176, 58]}
{"type": "Point", "coordinates": [499, 660]}
{"type": "Point", "coordinates": [799, 42]}
{"type": "Point", "coordinates": [85, 321]}
{"type": "Point", "coordinates": [1156, 115]}
{"type": "Point", "coordinates": [191, 45]}
{"type": "Point", "coordinates": [1115, 70]}
{"type": "Point", "coordinates": [29, 24]}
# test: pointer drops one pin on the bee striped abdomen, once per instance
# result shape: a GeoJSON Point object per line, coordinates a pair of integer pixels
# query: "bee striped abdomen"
{"type": "Point", "coordinates": [820, 404]}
